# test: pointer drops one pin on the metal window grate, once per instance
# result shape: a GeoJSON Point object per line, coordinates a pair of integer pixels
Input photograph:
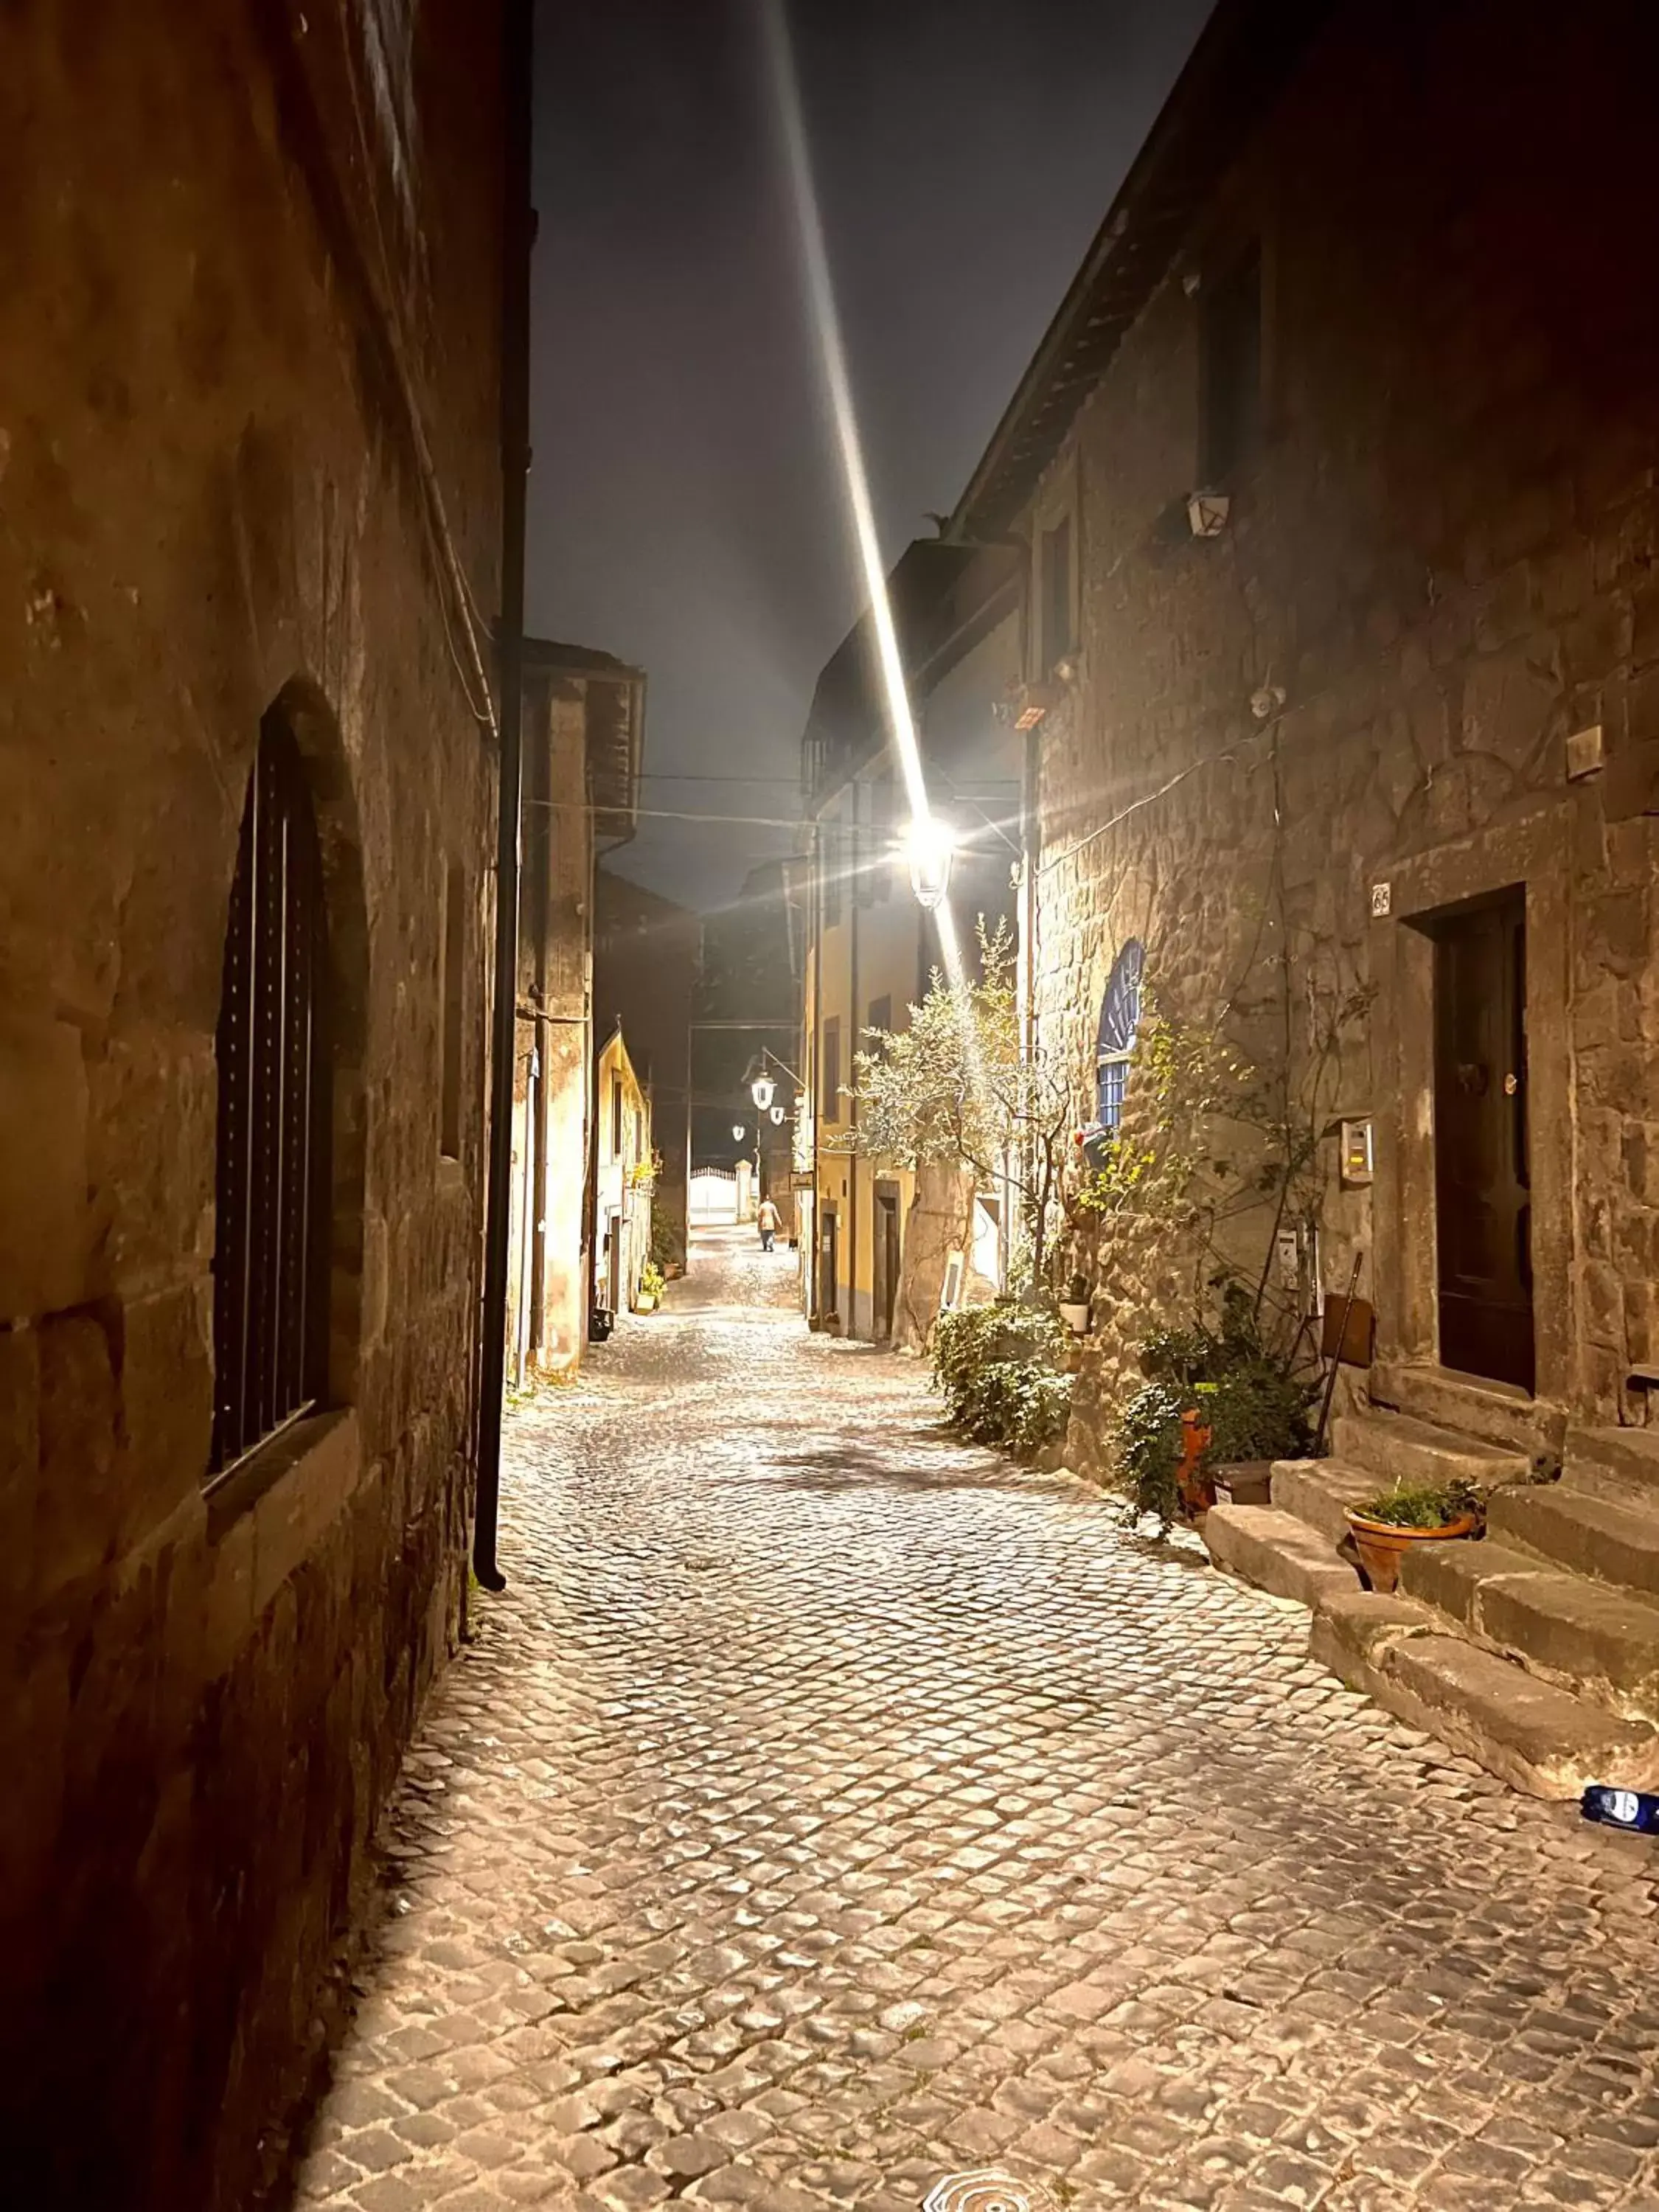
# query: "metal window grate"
{"type": "Point", "coordinates": [271, 1267]}
{"type": "Point", "coordinates": [1119, 1024]}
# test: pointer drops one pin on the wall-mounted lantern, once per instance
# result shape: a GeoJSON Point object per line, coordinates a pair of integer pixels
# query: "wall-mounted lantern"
{"type": "Point", "coordinates": [930, 848]}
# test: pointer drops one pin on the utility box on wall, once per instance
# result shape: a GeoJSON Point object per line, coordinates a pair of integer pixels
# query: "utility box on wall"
{"type": "Point", "coordinates": [1358, 1165]}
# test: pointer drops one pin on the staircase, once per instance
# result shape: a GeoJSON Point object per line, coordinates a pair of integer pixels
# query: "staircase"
{"type": "Point", "coordinates": [1535, 1650]}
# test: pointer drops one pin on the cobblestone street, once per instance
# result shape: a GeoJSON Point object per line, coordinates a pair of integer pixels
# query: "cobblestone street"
{"type": "Point", "coordinates": [828, 1810]}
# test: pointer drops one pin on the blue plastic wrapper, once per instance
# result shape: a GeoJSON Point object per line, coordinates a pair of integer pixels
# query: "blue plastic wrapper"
{"type": "Point", "coordinates": [1637, 1811]}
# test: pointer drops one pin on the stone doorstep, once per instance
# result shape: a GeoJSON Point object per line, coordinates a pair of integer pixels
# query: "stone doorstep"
{"type": "Point", "coordinates": [1599, 1537]}
{"type": "Point", "coordinates": [1400, 1448]}
{"type": "Point", "coordinates": [1620, 1464]}
{"type": "Point", "coordinates": [1318, 1491]}
{"type": "Point", "coordinates": [1530, 1733]}
{"type": "Point", "coordinates": [1495, 1412]}
{"type": "Point", "coordinates": [1275, 1552]}
{"type": "Point", "coordinates": [1580, 1635]}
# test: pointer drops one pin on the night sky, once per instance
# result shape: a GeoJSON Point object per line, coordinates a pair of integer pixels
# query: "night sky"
{"type": "Point", "coordinates": [685, 509]}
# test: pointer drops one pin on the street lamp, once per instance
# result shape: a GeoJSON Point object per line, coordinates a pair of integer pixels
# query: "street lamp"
{"type": "Point", "coordinates": [762, 1090]}
{"type": "Point", "coordinates": [738, 1132]}
{"type": "Point", "coordinates": [930, 849]}
{"type": "Point", "coordinates": [779, 1116]}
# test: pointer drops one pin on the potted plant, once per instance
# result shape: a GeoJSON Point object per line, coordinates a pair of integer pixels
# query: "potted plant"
{"type": "Point", "coordinates": [1387, 1526]}
{"type": "Point", "coordinates": [1074, 1306]}
{"type": "Point", "coordinates": [651, 1288]}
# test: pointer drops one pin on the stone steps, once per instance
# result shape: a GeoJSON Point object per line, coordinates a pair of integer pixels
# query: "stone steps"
{"type": "Point", "coordinates": [1497, 1412]}
{"type": "Point", "coordinates": [1599, 1642]}
{"type": "Point", "coordinates": [1603, 1539]}
{"type": "Point", "coordinates": [1536, 1649]}
{"type": "Point", "coordinates": [1318, 1491]}
{"type": "Point", "coordinates": [1399, 1447]}
{"type": "Point", "coordinates": [1275, 1552]}
{"type": "Point", "coordinates": [1535, 1735]}
{"type": "Point", "coordinates": [1620, 1464]}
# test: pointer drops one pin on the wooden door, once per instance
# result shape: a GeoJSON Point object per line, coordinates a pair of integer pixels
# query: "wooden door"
{"type": "Point", "coordinates": [829, 1264]}
{"type": "Point", "coordinates": [886, 1266]}
{"type": "Point", "coordinates": [1483, 1208]}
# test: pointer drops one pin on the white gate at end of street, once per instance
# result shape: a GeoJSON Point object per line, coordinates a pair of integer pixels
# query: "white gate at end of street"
{"type": "Point", "coordinates": [714, 1196]}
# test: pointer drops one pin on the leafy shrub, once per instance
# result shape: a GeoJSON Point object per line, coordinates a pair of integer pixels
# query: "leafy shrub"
{"type": "Point", "coordinates": [651, 1279]}
{"type": "Point", "coordinates": [996, 1368]}
{"type": "Point", "coordinates": [1422, 1504]}
{"type": "Point", "coordinates": [1257, 1411]}
{"type": "Point", "coordinates": [1146, 1451]}
{"type": "Point", "coordinates": [1255, 1408]}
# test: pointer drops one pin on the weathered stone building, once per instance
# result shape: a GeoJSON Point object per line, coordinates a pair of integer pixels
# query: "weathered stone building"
{"type": "Point", "coordinates": [584, 733]}
{"type": "Point", "coordinates": [250, 503]}
{"type": "Point", "coordinates": [878, 1232]}
{"type": "Point", "coordinates": [1337, 469]}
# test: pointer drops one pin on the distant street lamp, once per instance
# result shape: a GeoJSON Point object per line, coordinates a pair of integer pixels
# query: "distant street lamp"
{"type": "Point", "coordinates": [762, 1090]}
{"type": "Point", "coordinates": [930, 849]}
{"type": "Point", "coordinates": [779, 1116]}
{"type": "Point", "coordinates": [738, 1132]}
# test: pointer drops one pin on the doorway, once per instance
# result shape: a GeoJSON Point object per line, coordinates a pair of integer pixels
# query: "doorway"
{"type": "Point", "coordinates": [1482, 1177]}
{"type": "Point", "coordinates": [829, 1264]}
{"type": "Point", "coordinates": [885, 1285]}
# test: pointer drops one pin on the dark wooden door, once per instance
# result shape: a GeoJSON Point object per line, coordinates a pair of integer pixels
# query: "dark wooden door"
{"type": "Point", "coordinates": [1482, 1200]}
{"type": "Point", "coordinates": [829, 1264]}
{"type": "Point", "coordinates": [887, 1264]}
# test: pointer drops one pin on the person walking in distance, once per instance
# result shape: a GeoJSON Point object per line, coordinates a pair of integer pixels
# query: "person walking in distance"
{"type": "Point", "coordinates": [767, 1221]}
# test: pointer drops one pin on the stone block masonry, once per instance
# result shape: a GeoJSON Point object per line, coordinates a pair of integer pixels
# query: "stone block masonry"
{"type": "Point", "coordinates": [235, 280]}
{"type": "Point", "coordinates": [1435, 577]}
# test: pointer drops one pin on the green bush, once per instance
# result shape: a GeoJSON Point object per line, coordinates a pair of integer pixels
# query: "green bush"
{"type": "Point", "coordinates": [1254, 1408]}
{"type": "Point", "coordinates": [996, 1368]}
{"type": "Point", "coordinates": [1255, 1412]}
{"type": "Point", "coordinates": [1146, 1452]}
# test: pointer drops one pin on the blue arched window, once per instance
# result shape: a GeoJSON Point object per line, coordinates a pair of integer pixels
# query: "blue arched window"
{"type": "Point", "coordinates": [1120, 1020]}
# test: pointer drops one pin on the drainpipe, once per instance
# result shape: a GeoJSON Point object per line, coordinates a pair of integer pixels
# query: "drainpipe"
{"type": "Point", "coordinates": [517, 235]}
{"type": "Point", "coordinates": [851, 893]}
{"type": "Point", "coordinates": [815, 1273]}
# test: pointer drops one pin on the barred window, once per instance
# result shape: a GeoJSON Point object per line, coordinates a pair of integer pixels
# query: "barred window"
{"type": "Point", "coordinates": [1120, 1022]}
{"type": "Point", "coordinates": [273, 1190]}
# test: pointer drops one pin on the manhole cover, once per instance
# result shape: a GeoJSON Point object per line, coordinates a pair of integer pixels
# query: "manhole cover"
{"type": "Point", "coordinates": [986, 2189]}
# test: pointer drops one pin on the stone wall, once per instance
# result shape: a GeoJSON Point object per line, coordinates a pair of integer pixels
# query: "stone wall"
{"type": "Point", "coordinates": [1439, 568]}
{"type": "Point", "coordinates": [238, 265]}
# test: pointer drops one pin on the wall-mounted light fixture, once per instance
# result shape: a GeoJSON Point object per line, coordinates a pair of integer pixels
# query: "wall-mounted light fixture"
{"type": "Point", "coordinates": [738, 1133]}
{"type": "Point", "coordinates": [930, 849]}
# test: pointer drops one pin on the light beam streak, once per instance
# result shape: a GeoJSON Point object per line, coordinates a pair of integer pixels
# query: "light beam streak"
{"type": "Point", "coordinates": [832, 356]}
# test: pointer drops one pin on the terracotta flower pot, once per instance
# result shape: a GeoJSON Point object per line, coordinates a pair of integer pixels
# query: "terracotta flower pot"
{"type": "Point", "coordinates": [1381, 1544]}
{"type": "Point", "coordinates": [1193, 1481]}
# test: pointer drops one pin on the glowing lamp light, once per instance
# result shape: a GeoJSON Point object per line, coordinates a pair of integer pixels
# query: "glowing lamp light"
{"type": "Point", "coordinates": [930, 849]}
{"type": "Point", "coordinates": [738, 1133]}
{"type": "Point", "coordinates": [778, 1116]}
{"type": "Point", "coordinates": [762, 1091]}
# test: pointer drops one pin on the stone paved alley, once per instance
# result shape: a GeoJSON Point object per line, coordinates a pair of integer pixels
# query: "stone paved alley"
{"type": "Point", "coordinates": [828, 1810]}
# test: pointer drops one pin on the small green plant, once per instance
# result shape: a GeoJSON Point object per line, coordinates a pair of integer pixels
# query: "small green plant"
{"type": "Point", "coordinates": [1146, 1452]}
{"type": "Point", "coordinates": [1422, 1504]}
{"type": "Point", "coordinates": [651, 1279]}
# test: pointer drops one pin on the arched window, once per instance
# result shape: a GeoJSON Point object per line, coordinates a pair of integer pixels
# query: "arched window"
{"type": "Point", "coordinates": [271, 1260]}
{"type": "Point", "coordinates": [1120, 1020]}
